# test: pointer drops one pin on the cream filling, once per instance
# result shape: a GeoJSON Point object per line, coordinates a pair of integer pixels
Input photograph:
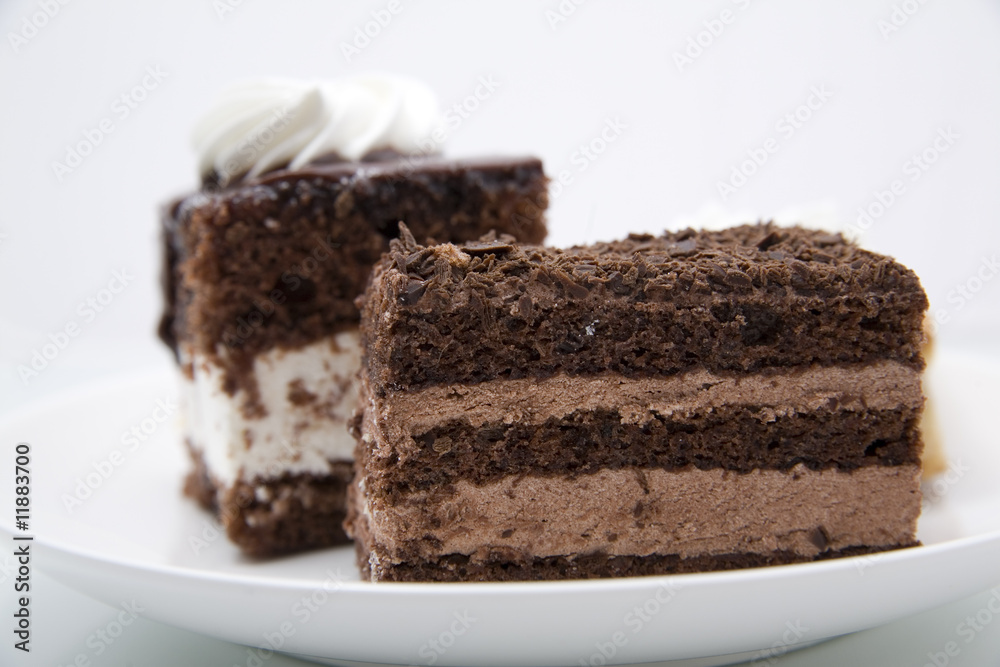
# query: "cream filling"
{"type": "Point", "coordinates": [401, 416]}
{"type": "Point", "coordinates": [308, 394]}
{"type": "Point", "coordinates": [629, 512]}
{"type": "Point", "coordinates": [258, 125]}
{"type": "Point", "coordinates": [883, 385]}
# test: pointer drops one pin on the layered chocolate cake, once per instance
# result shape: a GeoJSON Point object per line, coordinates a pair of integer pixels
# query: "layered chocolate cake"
{"type": "Point", "coordinates": [689, 402]}
{"type": "Point", "coordinates": [303, 187]}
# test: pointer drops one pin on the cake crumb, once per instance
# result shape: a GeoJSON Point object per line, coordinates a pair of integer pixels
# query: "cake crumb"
{"type": "Point", "coordinates": [454, 255]}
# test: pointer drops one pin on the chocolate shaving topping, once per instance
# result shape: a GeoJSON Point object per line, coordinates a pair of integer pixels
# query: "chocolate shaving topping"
{"type": "Point", "coordinates": [727, 306]}
{"type": "Point", "coordinates": [828, 239]}
{"type": "Point", "coordinates": [412, 293]}
{"type": "Point", "coordinates": [771, 239]}
{"type": "Point", "coordinates": [484, 248]}
{"type": "Point", "coordinates": [406, 236]}
{"type": "Point", "coordinates": [524, 306]}
{"type": "Point", "coordinates": [682, 248]}
{"type": "Point", "coordinates": [738, 279]}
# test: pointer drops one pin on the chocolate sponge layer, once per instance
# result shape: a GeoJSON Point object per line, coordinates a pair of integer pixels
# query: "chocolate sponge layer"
{"type": "Point", "coordinates": [733, 439]}
{"type": "Point", "coordinates": [279, 260]}
{"type": "Point", "coordinates": [741, 299]}
{"type": "Point", "coordinates": [458, 567]}
{"type": "Point", "coordinates": [278, 515]}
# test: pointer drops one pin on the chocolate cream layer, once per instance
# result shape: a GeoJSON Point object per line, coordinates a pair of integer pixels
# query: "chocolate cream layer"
{"type": "Point", "coordinates": [883, 385]}
{"type": "Point", "coordinates": [844, 416]}
{"type": "Point", "coordinates": [689, 513]}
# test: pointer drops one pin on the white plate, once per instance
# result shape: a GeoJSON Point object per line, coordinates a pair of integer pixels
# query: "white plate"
{"type": "Point", "coordinates": [136, 539]}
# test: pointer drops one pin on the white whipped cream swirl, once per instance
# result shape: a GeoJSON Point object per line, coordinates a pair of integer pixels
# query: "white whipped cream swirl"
{"type": "Point", "coordinates": [260, 125]}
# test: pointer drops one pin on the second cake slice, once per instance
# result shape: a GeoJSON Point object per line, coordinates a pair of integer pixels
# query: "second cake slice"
{"type": "Point", "coordinates": [696, 401]}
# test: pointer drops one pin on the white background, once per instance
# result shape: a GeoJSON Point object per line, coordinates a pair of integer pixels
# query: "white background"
{"type": "Point", "coordinates": [686, 128]}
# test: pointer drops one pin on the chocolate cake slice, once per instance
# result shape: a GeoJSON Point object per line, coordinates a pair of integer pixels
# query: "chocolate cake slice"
{"type": "Point", "coordinates": [694, 401]}
{"type": "Point", "coordinates": [261, 274]}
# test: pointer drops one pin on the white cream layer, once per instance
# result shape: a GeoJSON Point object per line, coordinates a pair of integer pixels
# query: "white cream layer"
{"type": "Point", "coordinates": [293, 436]}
